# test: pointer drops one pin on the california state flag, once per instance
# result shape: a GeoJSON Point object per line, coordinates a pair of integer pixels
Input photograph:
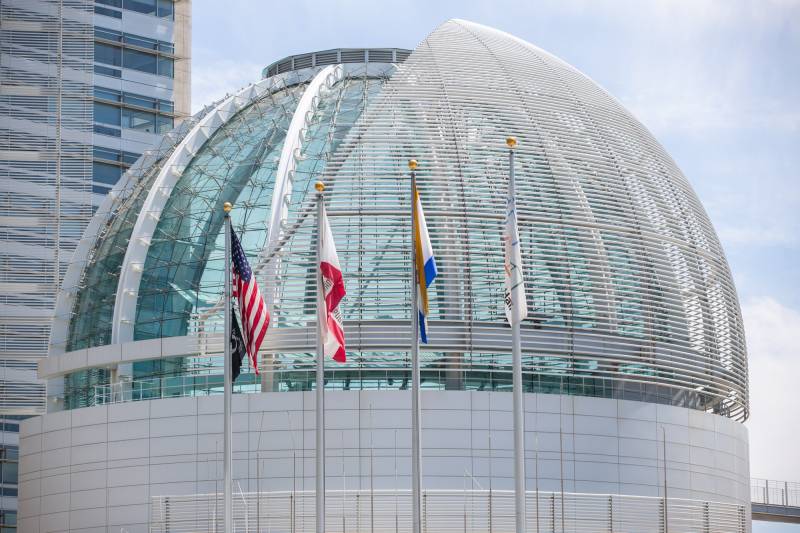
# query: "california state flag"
{"type": "Point", "coordinates": [333, 292]}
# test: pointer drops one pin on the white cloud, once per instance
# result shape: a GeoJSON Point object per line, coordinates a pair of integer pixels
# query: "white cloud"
{"type": "Point", "coordinates": [700, 67]}
{"type": "Point", "coordinates": [773, 331]}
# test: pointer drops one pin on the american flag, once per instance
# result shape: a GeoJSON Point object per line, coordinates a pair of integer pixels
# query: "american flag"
{"type": "Point", "coordinates": [253, 310]}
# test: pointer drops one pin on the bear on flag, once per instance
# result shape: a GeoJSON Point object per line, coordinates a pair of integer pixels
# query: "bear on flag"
{"type": "Point", "coordinates": [333, 292]}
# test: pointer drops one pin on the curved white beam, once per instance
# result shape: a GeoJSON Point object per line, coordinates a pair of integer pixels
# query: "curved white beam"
{"type": "Point", "coordinates": [65, 300]}
{"type": "Point", "coordinates": [150, 214]}
{"type": "Point", "coordinates": [287, 165]}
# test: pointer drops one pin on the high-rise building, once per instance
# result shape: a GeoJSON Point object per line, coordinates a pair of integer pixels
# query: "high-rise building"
{"type": "Point", "coordinates": [87, 87]}
{"type": "Point", "coordinates": [634, 361]}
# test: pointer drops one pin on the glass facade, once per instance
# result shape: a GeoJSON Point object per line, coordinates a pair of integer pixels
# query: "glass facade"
{"type": "Point", "coordinates": [239, 162]}
{"type": "Point", "coordinates": [203, 376]}
{"type": "Point", "coordinates": [116, 50]}
{"type": "Point", "coordinates": [156, 8]}
{"type": "Point", "coordinates": [95, 301]}
{"type": "Point", "coordinates": [117, 110]}
{"type": "Point", "coordinates": [134, 119]}
{"type": "Point", "coordinates": [628, 290]}
{"type": "Point", "coordinates": [64, 151]}
{"type": "Point", "coordinates": [147, 62]}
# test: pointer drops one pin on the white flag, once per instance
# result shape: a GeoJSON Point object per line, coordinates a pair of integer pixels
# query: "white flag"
{"type": "Point", "coordinates": [515, 284]}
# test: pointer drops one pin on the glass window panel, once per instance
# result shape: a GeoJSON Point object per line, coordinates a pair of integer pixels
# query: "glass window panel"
{"type": "Point", "coordinates": [166, 105]}
{"type": "Point", "coordinates": [165, 124]}
{"type": "Point", "coordinates": [140, 61]}
{"type": "Point", "coordinates": [165, 67]}
{"type": "Point", "coordinates": [148, 7]}
{"type": "Point", "coordinates": [105, 173]}
{"type": "Point", "coordinates": [108, 12]}
{"type": "Point", "coordinates": [104, 53]}
{"type": "Point", "coordinates": [142, 42]}
{"type": "Point", "coordinates": [141, 101]}
{"type": "Point", "coordinates": [105, 33]}
{"type": "Point", "coordinates": [105, 130]}
{"type": "Point", "coordinates": [107, 71]}
{"type": "Point", "coordinates": [107, 114]}
{"type": "Point", "coordinates": [166, 9]}
{"type": "Point", "coordinates": [112, 3]}
{"type": "Point", "coordinates": [100, 188]}
{"type": "Point", "coordinates": [139, 120]}
{"type": "Point", "coordinates": [10, 472]}
{"type": "Point", "coordinates": [106, 153]}
{"type": "Point", "coordinates": [8, 518]}
{"type": "Point", "coordinates": [130, 157]}
{"type": "Point", "coordinates": [107, 94]}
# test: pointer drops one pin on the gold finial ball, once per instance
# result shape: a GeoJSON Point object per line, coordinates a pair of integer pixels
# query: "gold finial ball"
{"type": "Point", "coordinates": [319, 186]}
{"type": "Point", "coordinates": [511, 142]}
{"type": "Point", "coordinates": [227, 206]}
{"type": "Point", "coordinates": [412, 164]}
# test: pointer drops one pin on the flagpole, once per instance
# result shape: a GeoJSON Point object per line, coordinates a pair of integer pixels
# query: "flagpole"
{"type": "Point", "coordinates": [664, 441]}
{"type": "Point", "coordinates": [320, 392]}
{"type": "Point", "coordinates": [228, 383]}
{"type": "Point", "coordinates": [416, 456]}
{"type": "Point", "coordinates": [518, 398]}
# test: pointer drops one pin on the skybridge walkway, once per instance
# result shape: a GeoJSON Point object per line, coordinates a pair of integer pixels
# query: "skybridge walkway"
{"type": "Point", "coordinates": [775, 501]}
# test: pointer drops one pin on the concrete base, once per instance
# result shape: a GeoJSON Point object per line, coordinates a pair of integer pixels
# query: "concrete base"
{"type": "Point", "coordinates": [97, 469]}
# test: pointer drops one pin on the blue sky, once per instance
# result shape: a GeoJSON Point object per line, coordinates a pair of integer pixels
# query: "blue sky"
{"type": "Point", "coordinates": [717, 82]}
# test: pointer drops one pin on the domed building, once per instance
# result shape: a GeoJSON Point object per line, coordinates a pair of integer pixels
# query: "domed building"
{"type": "Point", "coordinates": [634, 361]}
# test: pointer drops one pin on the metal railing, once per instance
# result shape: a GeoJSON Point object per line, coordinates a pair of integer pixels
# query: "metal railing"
{"type": "Point", "coordinates": [157, 388]}
{"type": "Point", "coordinates": [465, 511]}
{"type": "Point", "coordinates": [205, 380]}
{"type": "Point", "coordinates": [771, 492]}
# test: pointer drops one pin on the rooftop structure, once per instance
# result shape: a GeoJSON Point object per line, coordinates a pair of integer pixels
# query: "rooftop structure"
{"type": "Point", "coordinates": [634, 360]}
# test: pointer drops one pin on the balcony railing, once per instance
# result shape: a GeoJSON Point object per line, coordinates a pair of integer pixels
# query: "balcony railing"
{"type": "Point", "coordinates": [468, 511]}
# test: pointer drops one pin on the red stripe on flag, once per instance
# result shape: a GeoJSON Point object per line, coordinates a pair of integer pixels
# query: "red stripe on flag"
{"type": "Point", "coordinates": [255, 317]}
{"type": "Point", "coordinates": [336, 330]}
{"type": "Point", "coordinates": [336, 292]}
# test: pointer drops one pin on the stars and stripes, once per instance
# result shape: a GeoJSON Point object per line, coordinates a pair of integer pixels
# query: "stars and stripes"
{"type": "Point", "coordinates": [252, 308]}
{"type": "Point", "coordinates": [332, 293]}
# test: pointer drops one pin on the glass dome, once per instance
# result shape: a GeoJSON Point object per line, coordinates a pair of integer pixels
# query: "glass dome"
{"type": "Point", "coordinates": [630, 292]}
